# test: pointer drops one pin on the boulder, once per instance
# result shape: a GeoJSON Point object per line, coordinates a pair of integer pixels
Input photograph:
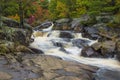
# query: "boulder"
{"type": "Point", "coordinates": [18, 35]}
{"type": "Point", "coordinates": [101, 31]}
{"type": "Point", "coordinates": [106, 48]}
{"type": "Point", "coordinates": [89, 52]}
{"type": "Point", "coordinates": [9, 22]}
{"type": "Point", "coordinates": [80, 43]}
{"type": "Point", "coordinates": [77, 21]}
{"type": "Point", "coordinates": [66, 34]}
{"type": "Point", "coordinates": [62, 24]}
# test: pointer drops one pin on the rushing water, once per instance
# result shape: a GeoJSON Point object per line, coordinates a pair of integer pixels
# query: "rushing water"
{"type": "Point", "coordinates": [69, 48]}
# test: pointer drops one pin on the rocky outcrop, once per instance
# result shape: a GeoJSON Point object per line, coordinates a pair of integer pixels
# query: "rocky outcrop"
{"type": "Point", "coordinates": [12, 47]}
{"type": "Point", "coordinates": [18, 35]}
{"type": "Point", "coordinates": [41, 67]}
{"type": "Point", "coordinates": [104, 49]}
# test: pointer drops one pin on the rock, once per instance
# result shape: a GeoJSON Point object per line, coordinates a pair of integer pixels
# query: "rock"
{"type": "Point", "coordinates": [77, 21]}
{"type": "Point", "coordinates": [68, 78]}
{"type": "Point", "coordinates": [43, 26]}
{"type": "Point", "coordinates": [12, 47]}
{"type": "Point", "coordinates": [18, 35]}
{"type": "Point", "coordinates": [64, 20]}
{"type": "Point", "coordinates": [5, 76]}
{"type": "Point", "coordinates": [66, 34]}
{"type": "Point", "coordinates": [89, 52]}
{"type": "Point", "coordinates": [6, 46]}
{"type": "Point", "coordinates": [14, 24]}
{"type": "Point", "coordinates": [62, 24]}
{"type": "Point", "coordinates": [106, 48]}
{"type": "Point", "coordinates": [96, 46]}
{"type": "Point", "coordinates": [57, 69]}
{"type": "Point", "coordinates": [90, 32]}
{"type": "Point", "coordinates": [37, 51]}
{"type": "Point", "coordinates": [10, 22]}
{"type": "Point", "coordinates": [100, 31]}
{"type": "Point", "coordinates": [104, 18]}
{"type": "Point", "coordinates": [118, 50]}
{"type": "Point", "coordinates": [80, 43]}
{"type": "Point", "coordinates": [104, 74]}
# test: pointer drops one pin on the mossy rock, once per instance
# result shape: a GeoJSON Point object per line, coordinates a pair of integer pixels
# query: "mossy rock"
{"type": "Point", "coordinates": [21, 36]}
{"type": "Point", "coordinates": [12, 47]}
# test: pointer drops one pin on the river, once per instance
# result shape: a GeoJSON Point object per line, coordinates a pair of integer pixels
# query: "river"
{"type": "Point", "coordinates": [66, 48]}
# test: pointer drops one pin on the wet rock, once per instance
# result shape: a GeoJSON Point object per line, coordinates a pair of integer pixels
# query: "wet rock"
{"type": "Point", "coordinates": [66, 34]}
{"type": "Point", "coordinates": [58, 44]}
{"type": "Point", "coordinates": [5, 76]}
{"type": "Point", "coordinates": [89, 52]}
{"type": "Point", "coordinates": [106, 48]}
{"type": "Point", "coordinates": [42, 26]}
{"type": "Point", "coordinates": [80, 43]}
{"type": "Point", "coordinates": [104, 74]}
{"type": "Point", "coordinates": [36, 50]}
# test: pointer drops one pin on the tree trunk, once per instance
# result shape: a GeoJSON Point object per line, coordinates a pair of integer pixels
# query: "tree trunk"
{"type": "Point", "coordinates": [0, 16]}
{"type": "Point", "coordinates": [21, 14]}
{"type": "Point", "coordinates": [113, 2]}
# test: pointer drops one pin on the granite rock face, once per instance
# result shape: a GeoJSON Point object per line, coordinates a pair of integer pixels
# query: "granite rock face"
{"type": "Point", "coordinates": [41, 67]}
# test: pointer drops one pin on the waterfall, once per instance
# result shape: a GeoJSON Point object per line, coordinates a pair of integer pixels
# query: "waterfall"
{"type": "Point", "coordinates": [66, 48]}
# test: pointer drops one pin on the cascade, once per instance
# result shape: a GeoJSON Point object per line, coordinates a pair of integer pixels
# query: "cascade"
{"type": "Point", "coordinates": [67, 48]}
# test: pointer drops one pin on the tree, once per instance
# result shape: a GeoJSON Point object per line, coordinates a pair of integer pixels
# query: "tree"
{"type": "Point", "coordinates": [23, 4]}
{"type": "Point", "coordinates": [41, 12]}
{"type": "Point", "coordinates": [52, 9]}
{"type": "Point", "coordinates": [0, 15]}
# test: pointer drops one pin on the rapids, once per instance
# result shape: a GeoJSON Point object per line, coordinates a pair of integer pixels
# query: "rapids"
{"type": "Point", "coordinates": [68, 48]}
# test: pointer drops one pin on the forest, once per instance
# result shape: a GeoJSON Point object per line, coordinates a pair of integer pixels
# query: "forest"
{"type": "Point", "coordinates": [55, 9]}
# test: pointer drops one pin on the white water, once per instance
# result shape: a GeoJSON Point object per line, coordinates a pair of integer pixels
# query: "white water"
{"type": "Point", "coordinates": [71, 52]}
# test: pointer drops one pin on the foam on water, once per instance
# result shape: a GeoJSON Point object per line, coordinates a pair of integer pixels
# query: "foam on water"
{"type": "Point", "coordinates": [45, 44]}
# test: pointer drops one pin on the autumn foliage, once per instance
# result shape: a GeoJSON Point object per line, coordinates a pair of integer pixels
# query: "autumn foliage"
{"type": "Point", "coordinates": [55, 9]}
{"type": "Point", "coordinates": [40, 13]}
